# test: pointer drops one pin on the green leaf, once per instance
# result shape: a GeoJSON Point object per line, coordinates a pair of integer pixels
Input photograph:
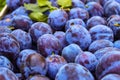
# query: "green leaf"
{"type": "Point", "coordinates": [38, 16]}
{"type": "Point", "coordinates": [35, 8]}
{"type": "Point", "coordinates": [2, 4]}
{"type": "Point", "coordinates": [64, 3]}
{"type": "Point", "coordinates": [42, 3]}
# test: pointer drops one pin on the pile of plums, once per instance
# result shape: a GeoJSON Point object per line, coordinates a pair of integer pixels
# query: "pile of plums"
{"type": "Point", "coordinates": [82, 43]}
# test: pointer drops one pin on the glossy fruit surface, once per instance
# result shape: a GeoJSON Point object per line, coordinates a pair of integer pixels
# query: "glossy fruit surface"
{"type": "Point", "coordinates": [77, 34]}
{"type": "Point", "coordinates": [38, 29]}
{"type": "Point", "coordinates": [104, 66]}
{"type": "Point", "coordinates": [88, 60]}
{"type": "Point", "coordinates": [101, 32]}
{"type": "Point", "coordinates": [57, 19]}
{"type": "Point", "coordinates": [73, 71]}
{"type": "Point", "coordinates": [55, 62]}
{"type": "Point", "coordinates": [70, 52]}
{"type": "Point", "coordinates": [48, 44]}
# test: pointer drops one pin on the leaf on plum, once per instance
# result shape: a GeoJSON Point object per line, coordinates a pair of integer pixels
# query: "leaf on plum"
{"type": "Point", "coordinates": [38, 16]}
{"type": "Point", "coordinates": [35, 8]}
{"type": "Point", "coordinates": [42, 3]}
{"type": "Point", "coordinates": [2, 4]}
{"type": "Point", "coordinates": [64, 3]}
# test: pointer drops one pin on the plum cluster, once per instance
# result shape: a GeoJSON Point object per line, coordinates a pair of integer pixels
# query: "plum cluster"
{"type": "Point", "coordinates": [77, 42]}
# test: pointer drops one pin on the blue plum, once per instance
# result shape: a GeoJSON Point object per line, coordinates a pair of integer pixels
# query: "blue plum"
{"type": "Point", "coordinates": [117, 44]}
{"type": "Point", "coordinates": [38, 77]}
{"type": "Point", "coordinates": [48, 44]}
{"type": "Point", "coordinates": [99, 44]}
{"type": "Point", "coordinates": [101, 32]}
{"type": "Point", "coordinates": [55, 62]}
{"type": "Point", "coordinates": [111, 76]}
{"type": "Point", "coordinates": [57, 19]}
{"type": "Point", "coordinates": [6, 22]}
{"type": "Point", "coordinates": [34, 64]}
{"type": "Point", "coordinates": [70, 52]}
{"type": "Point", "coordinates": [94, 9]}
{"type": "Point", "coordinates": [104, 66]}
{"type": "Point", "coordinates": [6, 74]}
{"type": "Point", "coordinates": [99, 53]}
{"type": "Point", "coordinates": [5, 30]}
{"type": "Point", "coordinates": [5, 62]}
{"type": "Point", "coordinates": [19, 11]}
{"type": "Point", "coordinates": [95, 20]}
{"type": "Point", "coordinates": [38, 29]}
{"type": "Point", "coordinates": [78, 3]}
{"type": "Point", "coordinates": [9, 46]}
{"type": "Point", "coordinates": [73, 71]}
{"type": "Point", "coordinates": [61, 37]}
{"type": "Point", "coordinates": [78, 13]}
{"type": "Point", "coordinates": [23, 38]}
{"type": "Point", "coordinates": [113, 23]}
{"type": "Point", "coordinates": [72, 22]}
{"type": "Point", "coordinates": [88, 60]}
{"type": "Point", "coordinates": [79, 35]}
{"type": "Point", "coordinates": [111, 8]}
{"type": "Point", "coordinates": [22, 22]}
{"type": "Point", "coordinates": [23, 56]}
{"type": "Point", "coordinates": [14, 4]}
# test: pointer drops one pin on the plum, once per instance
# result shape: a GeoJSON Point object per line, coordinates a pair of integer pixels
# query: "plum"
{"type": "Point", "coordinates": [99, 53]}
{"type": "Point", "coordinates": [38, 77]}
{"type": "Point", "coordinates": [70, 52]}
{"type": "Point", "coordinates": [117, 44]}
{"type": "Point", "coordinates": [111, 7]}
{"type": "Point", "coordinates": [73, 71]}
{"type": "Point", "coordinates": [79, 35]}
{"type": "Point", "coordinates": [61, 37]}
{"type": "Point", "coordinates": [5, 30]}
{"type": "Point", "coordinates": [48, 44]}
{"type": "Point", "coordinates": [109, 63]}
{"type": "Point", "coordinates": [57, 19]}
{"type": "Point", "coordinates": [38, 29]}
{"type": "Point", "coordinates": [23, 38]}
{"type": "Point", "coordinates": [9, 46]}
{"type": "Point", "coordinates": [5, 62]}
{"type": "Point", "coordinates": [99, 44]}
{"type": "Point", "coordinates": [78, 3]}
{"type": "Point", "coordinates": [6, 74]}
{"type": "Point", "coordinates": [55, 62]}
{"type": "Point", "coordinates": [78, 13]}
{"type": "Point", "coordinates": [94, 9]}
{"type": "Point", "coordinates": [19, 11]}
{"type": "Point", "coordinates": [95, 20]}
{"type": "Point", "coordinates": [88, 60]}
{"type": "Point", "coordinates": [22, 22]}
{"type": "Point", "coordinates": [76, 21]}
{"type": "Point", "coordinates": [113, 23]}
{"type": "Point", "coordinates": [14, 4]}
{"type": "Point", "coordinates": [111, 77]}
{"type": "Point", "coordinates": [101, 32]}
{"type": "Point", "coordinates": [33, 64]}
{"type": "Point", "coordinates": [23, 56]}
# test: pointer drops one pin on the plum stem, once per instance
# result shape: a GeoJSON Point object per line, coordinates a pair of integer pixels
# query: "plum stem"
{"type": "Point", "coordinates": [3, 12]}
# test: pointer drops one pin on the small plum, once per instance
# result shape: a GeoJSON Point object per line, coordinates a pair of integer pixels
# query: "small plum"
{"type": "Point", "coordinates": [55, 62]}
{"type": "Point", "coordinates": [99, 44]}
{"type": "Point", "coordinates": [70, 52]}
{"type": "Point", "coordinates": [73, 71]}
{"type": "Point", "coordinates": [101, 32]}
{"type": "Point", "coordinates": [79, 35]}
{"type": "Point", "coordinates": [88, 60]}
{"type": "Point", "coordinates": [48, 44]}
